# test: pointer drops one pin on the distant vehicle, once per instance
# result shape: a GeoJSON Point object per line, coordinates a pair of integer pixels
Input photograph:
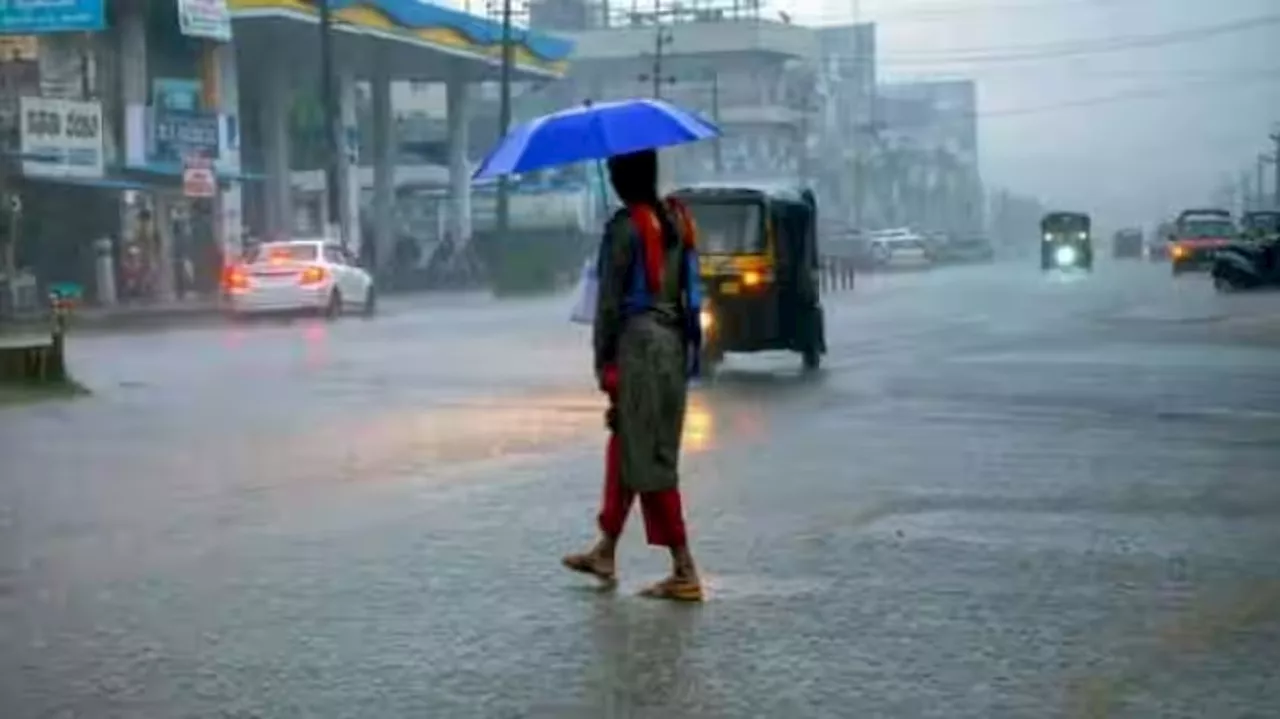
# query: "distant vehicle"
{"type": "Point", "coordinates": [1157, 244]}
{"type": "Point", "coordinates": [312, 275]}
{"type": "Point", "coordinates": [1127, 243]}
{"type": "Point", "coordinates": [901, 247]}
{"type": "Point", "coordinates": [967, 248]}
{"type": "Point", "coordinates": [1197, 234]}
{"type": "Point", "coordinates": [1260, 225]}
{"type": "Point", "coordinates": [1247, 265]}
{"type": "Point", "coordinates": [1066, 241]}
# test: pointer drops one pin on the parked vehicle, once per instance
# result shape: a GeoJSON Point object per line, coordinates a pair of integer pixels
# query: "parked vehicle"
{"type": "Point", "coordinates": [967, 249]}
{"type": "Point", "coordinates": [900, 247]}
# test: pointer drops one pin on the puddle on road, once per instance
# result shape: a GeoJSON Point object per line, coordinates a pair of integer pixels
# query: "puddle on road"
{"type": "Point", "coordinates": [1136, 355]}
{"type": "Point", "coordinates": [1157, 534]}
{"type": "Point", "coordinates": [733, 587]}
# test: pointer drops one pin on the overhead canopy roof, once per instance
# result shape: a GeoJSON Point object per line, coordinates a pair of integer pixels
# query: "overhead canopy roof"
{"type": "Point", "coordinates": [418, 40]}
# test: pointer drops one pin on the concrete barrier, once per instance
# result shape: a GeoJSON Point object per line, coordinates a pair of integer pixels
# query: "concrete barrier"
{"type": "Point", "coordinates": [37, 360]}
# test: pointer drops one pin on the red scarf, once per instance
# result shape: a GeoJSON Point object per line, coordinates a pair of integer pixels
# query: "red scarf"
{"type": "Point", "coordinates": [649, 229]}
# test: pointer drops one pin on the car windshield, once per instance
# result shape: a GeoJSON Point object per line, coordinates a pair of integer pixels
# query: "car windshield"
{"type": "Point", "coordinates": [1209, 227]}
{"type": "Point", "coordinates": [1262, 222]}
{"type": "Point", "coordinates": [282, 252]}
{"type": "Point", "coordinates": [728, 228]}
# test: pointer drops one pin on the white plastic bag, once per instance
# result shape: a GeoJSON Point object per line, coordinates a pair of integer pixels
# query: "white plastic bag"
{"type": "Point", "coordinates": [584, 305]}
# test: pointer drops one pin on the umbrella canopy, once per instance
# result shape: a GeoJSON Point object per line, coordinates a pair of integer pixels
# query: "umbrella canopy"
{"type": "Point", "coordinates": [593, 132]}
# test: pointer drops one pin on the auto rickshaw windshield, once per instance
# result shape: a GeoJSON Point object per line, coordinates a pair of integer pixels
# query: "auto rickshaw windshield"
{"type": "Point", "coordinates": [726, 228]}
{"type": "Point", "coordinates": [1059, 224]}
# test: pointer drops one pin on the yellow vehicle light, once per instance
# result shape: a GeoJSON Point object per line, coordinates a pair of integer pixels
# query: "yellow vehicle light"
{"type": "Point", "coordinates": [751, 278]}
{"type": "Point", "coordinates": [707, 320]}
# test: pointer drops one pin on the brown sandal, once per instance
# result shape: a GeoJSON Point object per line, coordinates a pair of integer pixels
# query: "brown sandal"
{"type": "Point", "coordinates": [675, 589]}
{"type": "Point", "coordinates": [588, 563]}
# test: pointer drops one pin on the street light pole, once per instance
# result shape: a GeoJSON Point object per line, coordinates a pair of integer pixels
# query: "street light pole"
{"type": "Point", "coordinates": [503, 208]}
{"type": "Point", "coordinates": [330, 111]}
{"type": "Point", "coordinates": [1275, 199]}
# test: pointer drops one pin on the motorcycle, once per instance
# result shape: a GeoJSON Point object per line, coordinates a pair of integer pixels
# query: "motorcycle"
{"type": "Point", "coordinates": [1247, 266]}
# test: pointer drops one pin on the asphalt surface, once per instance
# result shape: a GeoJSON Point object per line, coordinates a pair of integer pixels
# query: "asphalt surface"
{"type": "Point", "coordinates": [1006, 495]}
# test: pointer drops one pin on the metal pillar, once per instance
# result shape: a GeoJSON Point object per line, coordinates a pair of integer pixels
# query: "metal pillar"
{"type": "Point", "coordinates": [329, 109]}
{"type": "Point", "coordinates": [384, 168]}
{"type": "Point", "coordinates": [503, 212]}
{"type": "Point", "coordinates": [457, 106]}
{"type": "Point", "coordinates": [273, 102]}
{"type": "Point", "coordinates": [348, 165]}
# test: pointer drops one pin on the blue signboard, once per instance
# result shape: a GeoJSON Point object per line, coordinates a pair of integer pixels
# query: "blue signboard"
{"type": "Point", "coordinates": [32, 17]}
{"type": "Point", "coordinates": [182, 134]}
{"type": "Point", "coordinates": [175, 94]}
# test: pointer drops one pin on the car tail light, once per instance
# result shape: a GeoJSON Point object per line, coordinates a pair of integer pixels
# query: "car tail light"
{"type": "Point", "coordinates": [235, 279]}
{"type": "Point", "coordinates": [313, 276]}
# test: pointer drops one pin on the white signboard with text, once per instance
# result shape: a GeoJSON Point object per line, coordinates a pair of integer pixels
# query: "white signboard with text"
{"type": "Point", "coordinates": [205, 18]}
{"type": "Point", "coordinates": [198, 178]}
{"type": "Point", "coordinates": [61, 138]}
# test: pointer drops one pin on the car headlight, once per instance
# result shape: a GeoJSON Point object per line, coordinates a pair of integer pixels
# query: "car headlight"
{"type": "Point", "coordinates": [1065, 255]}
{"type": "Point", "coordinates": [706, 319]}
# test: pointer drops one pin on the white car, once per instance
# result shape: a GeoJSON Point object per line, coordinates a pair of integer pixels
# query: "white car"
{"type": "Point", "coordinates": [299, 275]}
{"type": "Point", "coordinates": [899, 247]}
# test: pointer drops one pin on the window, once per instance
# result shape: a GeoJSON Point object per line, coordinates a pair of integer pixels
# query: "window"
{"type": "Point", "coordinates": [1206, 228]}
{"type": "Point", "coordinates": [335, 255]}
{"type": "Point", "coordinates": [282, 252]}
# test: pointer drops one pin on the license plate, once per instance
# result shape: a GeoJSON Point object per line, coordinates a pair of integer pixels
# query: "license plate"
{"type": "Point", "coordinates": [729, 288]}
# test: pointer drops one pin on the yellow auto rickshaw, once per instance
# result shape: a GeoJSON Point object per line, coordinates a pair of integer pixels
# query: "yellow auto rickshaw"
{"type": "Point", "coordinates": [759, 264]}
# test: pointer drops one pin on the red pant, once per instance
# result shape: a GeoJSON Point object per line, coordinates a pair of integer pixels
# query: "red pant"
{"type": "Point", "coordinates": [663, 512]}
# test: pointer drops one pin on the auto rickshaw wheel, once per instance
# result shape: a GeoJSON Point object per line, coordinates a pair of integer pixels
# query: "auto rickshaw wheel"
{"type": "Point", "coordinates": [812, 359]}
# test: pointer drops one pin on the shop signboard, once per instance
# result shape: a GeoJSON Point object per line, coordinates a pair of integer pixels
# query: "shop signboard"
{"type": "Point", "coordinates": [205, 18]}
{"type": "Point", "coordinates": [198, 178]}
{"type": "Point", "coordinates": [179, 134]}
{"type": "Point", "coordinates": [61, 138]}
{"type": "Point", "coordinates": [31, 17]}
{"type": "Point", "coordinates": [174, 94]}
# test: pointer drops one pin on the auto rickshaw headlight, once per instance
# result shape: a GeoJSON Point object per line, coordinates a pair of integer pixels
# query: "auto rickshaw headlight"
{"type": "Point", "coordinates": [706, 319]}
{"type": "Point", "coordinates": [1083, 235]}
{"type": "Point", "coordinates": [1066, 255]}
{"type": "Point", "coordinates": [1048, 237]}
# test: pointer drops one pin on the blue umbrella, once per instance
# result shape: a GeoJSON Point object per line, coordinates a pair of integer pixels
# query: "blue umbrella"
{"type": "Point", "coordinates": [593, 132]}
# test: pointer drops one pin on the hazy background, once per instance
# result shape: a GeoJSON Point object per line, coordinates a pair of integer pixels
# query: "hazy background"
{"type": "Point", "coordinates": [1172, 121]}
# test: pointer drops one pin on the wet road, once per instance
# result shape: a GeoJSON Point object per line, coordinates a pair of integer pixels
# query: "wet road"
{"type": "Point", "coordinates": [1006, 496]}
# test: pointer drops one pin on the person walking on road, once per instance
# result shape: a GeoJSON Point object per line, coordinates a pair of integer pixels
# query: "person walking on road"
{"type": "Point", "coordinates": [647, 340]}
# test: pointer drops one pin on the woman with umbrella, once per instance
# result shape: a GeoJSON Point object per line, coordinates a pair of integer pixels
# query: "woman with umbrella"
{"type": "Point", "coordinates": [646, 333]}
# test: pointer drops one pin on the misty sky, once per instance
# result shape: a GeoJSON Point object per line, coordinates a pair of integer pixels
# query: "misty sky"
{"type": "Point", "coordinates": [1127, 161]}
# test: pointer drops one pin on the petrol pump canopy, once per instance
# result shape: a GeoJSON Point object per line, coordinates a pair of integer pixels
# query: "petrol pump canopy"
{"type": "Point", "coordinates": [406, 34]}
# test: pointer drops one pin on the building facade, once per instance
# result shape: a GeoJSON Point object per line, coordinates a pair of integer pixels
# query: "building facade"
{"type": "Point", "coordinates": [926, 162]}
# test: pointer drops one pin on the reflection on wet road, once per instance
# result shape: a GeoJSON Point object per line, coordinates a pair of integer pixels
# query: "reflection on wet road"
{"type": "Point", "coordinates": [1006, 495]}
